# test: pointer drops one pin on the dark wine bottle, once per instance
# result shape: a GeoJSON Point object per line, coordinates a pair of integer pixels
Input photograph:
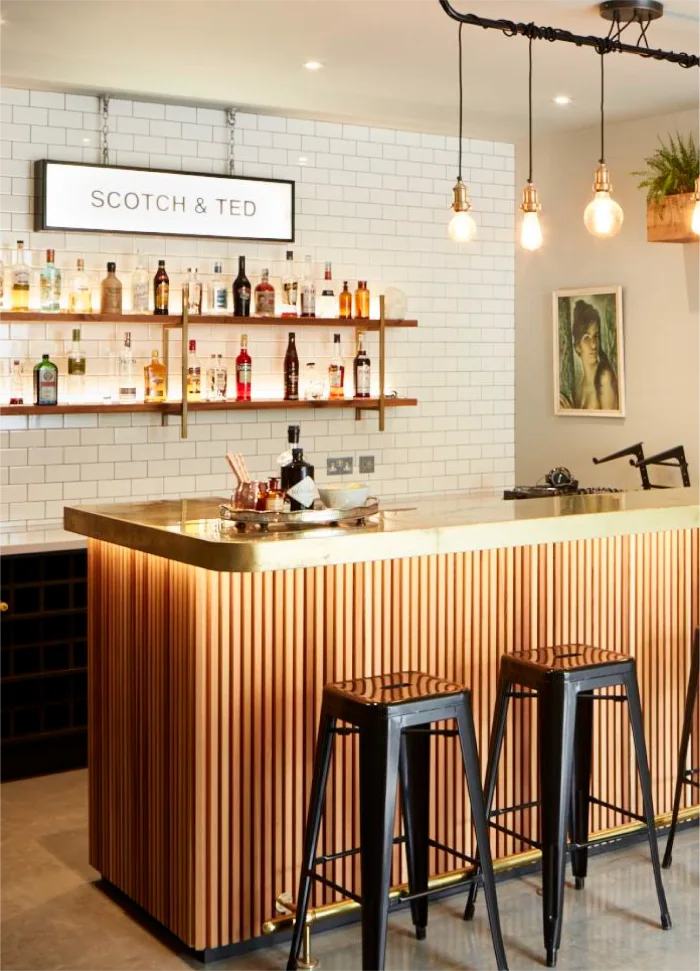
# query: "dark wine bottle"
{"type": "Point", "coordinates": [298, 470]}
{"type": "Point", "coordinates": [292, 443]}
{"type": "Point", "coordinates": [241, 291]}
{"type": "Point", "coordinates": [291, 371]}
{"type": "Point", "coordinates": [161, 290]}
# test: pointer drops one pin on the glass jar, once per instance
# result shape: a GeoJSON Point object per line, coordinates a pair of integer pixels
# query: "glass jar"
{"type": "Point", "coordinates": [313, 383]}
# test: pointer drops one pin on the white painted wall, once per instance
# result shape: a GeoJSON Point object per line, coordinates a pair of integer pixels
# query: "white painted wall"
{"type": "Point", "coordinates": [374, 202]}
{"type": "Point", "coordinates": [660, 297]}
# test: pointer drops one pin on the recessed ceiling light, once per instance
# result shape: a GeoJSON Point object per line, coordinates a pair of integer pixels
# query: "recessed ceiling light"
{"type": "Point", "coordinates": [562, 99]}
{"type": "Point", "coordinates": [302, 160]}
{"type": "Point", "coordinates": [313, 65]}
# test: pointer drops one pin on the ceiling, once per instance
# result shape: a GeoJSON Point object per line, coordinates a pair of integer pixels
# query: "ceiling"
{"type": "Point", "coordinates": [387, 62]}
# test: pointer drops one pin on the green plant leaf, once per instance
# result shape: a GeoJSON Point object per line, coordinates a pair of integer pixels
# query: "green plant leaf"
{"type": "Point", "coordinates": [672, 169]}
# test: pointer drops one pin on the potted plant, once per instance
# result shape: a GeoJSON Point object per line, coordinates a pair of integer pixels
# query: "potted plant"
{"type": "Point", "coordinates": [671, 183]}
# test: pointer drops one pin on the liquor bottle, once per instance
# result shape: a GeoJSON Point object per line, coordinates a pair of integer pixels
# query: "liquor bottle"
{"type": "Point", "coordinates": [241, 291]}
{"type": "Point", "coordinates": [290, 289]}
{"type": "Point", "coordinates": [76, 370]}
{"type": "Point", "coordinates": [298, 469]}
{"type": "Point", "coordinates": [80, 296]}
{"type": "Point", "coordinates": [50, 285]}
{"type": "Point", "coordinates": [336, 371]}
{"type": "Point", "coordinates": [45, 382]}
{"type": "Point", "coordinates": [345, 302]}
{"type": "Point", "coordinates": [16, 384]}
{"type": "Point", "coordinates": [285, 458]}
{"type": "Point", "coordinates": [274, 500]}
{"type": "Point", "coordinates": [362, 367]}
{"type": "Point", "coordinates": [308, 290]}
{"type": "Point", "coordinates": [154, 379]}
{"type": "Point", "coordinates": [220, 379]}
{"type": "Point", "coordinates": [326, 302]}
{"type": "Point", "coordinates": [140, 285]}
{"type": "Point", "coordinates": [111, 292]}
{"type": "Point", "coordinates": [20, 279]}
{"type": "Point", "coordinates": [265, 296]}
{"type": "Point", "coordinates": [218, 292]}
{"type": "Point", "coordinates": [211, 378]}
{"type": "Point", "coordinates": [161, 290]}
{"type": "Point", "coordinates": [362, 300]}
{"type": "Point", "coordinates": [244, 371]}
{"type": "Point", "coordinates": [291, 371]}
{"type": "Point", "coordinates": [194, 374]}
{"type": "Point", "coordinates": [193, 289]}
{"type": "Point", "coordinates": [127, 370]}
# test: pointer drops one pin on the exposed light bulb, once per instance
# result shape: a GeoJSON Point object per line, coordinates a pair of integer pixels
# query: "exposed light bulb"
{"type": "Point", "coordinates": [695, 224]}
{"type": "Point", "coordinates": [531, 231]}
{"type": "Point", "coordinates": [462, 228]}
{"type": "Point", "coordinates": [603, 216]}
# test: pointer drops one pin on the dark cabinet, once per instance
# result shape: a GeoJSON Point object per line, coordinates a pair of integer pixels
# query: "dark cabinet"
{"type": "Point", "coordinates": [44, 663]}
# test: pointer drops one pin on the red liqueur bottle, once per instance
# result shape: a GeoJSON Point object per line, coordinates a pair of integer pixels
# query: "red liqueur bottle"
{"type": "Point", "coordinates": [244, 371]}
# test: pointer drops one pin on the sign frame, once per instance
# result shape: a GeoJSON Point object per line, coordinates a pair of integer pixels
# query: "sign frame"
{"type": "Point", "coordinates": [41, 225]}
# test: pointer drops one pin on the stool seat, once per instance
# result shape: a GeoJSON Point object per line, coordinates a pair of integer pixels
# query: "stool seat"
{"type": "Point", "coordinates": [399, 688]}
{"type": "Point", "coordinates": [565, 662]}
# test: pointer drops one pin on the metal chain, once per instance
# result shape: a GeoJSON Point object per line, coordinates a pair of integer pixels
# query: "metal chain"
{"type": "Point", "coordinates": [231, 118]}
{"type": "Point", "coordinates": [105, 129]}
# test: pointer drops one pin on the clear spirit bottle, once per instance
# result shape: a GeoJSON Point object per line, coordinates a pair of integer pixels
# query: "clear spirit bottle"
{"type": "Point", "coordinates": [17, 383]}
{"type": "Point", "coordinates": [127, 370]}
{"type": "Point", "coordinates": [308, 290]}
{"type": "Point", "coordinates": [80, 296]}
{"type": "Point", "coordinates": [50, 285]}
{"type": "Point", "coordinates": [218, 292]}
{"type": "Point", "coordinates": [76, 370]}
{"type": "Point", "coordinates": [194, 374]}
{"type": "Point", "coordinates": [140, 286]}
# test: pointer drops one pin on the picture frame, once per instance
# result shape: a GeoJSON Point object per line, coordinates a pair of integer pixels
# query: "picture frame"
{"type": "Point", "coordinates": [588, 352]}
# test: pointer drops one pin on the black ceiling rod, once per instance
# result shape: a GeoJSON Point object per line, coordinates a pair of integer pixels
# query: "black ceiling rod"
{"type": "Point", "coordinates": [603, 45]}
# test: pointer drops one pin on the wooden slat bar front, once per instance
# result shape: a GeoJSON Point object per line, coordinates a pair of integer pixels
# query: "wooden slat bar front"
{"type": "Point", "coordinates": [205, 689]}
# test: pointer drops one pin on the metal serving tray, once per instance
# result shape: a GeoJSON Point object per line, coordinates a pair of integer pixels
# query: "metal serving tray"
{"type": "Point", "coordinates": [242, 518]}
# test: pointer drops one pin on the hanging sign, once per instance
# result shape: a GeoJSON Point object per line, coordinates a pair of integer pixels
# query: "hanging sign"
{"type": "Point", "coordinates": [117, 199]}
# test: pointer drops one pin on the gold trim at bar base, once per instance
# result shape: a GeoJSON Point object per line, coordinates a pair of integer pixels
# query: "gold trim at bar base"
{"type": "Point", "coordinates": [453, 877]}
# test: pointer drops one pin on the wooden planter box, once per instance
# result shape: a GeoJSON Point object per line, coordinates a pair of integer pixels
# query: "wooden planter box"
{"type": "Point", "coordinates": [669, 221]}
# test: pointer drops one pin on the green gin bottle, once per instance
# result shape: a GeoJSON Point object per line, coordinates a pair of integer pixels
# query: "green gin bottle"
{"type": "Point", "coordinates": [45, 382]}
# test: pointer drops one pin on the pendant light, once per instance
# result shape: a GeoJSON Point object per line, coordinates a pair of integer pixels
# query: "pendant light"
{"type": "Point", "coordinates": [695, 225]}
{"type": "Point", "coordinates": [602, 216]}
{"type": "Point", "coordinates": [462, 228]}
{"type": "Point", "coordinates": [530, 230]}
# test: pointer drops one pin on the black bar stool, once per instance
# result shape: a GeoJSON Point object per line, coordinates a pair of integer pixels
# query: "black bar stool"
{"type": "Point", "coordinates": [564, 679]}
{"type": "Point", "coordinates": [391, 714]}
{"type": "Point", "coordinates": [685, 777]}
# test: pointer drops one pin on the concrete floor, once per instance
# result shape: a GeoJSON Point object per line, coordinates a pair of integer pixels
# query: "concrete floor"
{"type": "Point", "coordinates": [55, 913]}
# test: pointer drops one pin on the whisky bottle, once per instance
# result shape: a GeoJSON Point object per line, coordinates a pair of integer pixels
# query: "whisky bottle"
{"type": "Point", "coordinates": [362, 300]}
{"type": "Point", "coordinates": [194, 374]}
{"type": "Point", "coordinates": [111, 292]}
{"type": "Point", "coordinates": [127, 370]}
{"type": "Point", "coordinates": [50, 285]}
{"type": "Point", "coordinates": [326, 302]}
{"type": "Point", "coordinates": [362, 369]}
{"type": "Point", "coordinates": [76, 370]}
{"type": "Point", "coordinates": [241, 291]}
{"type": "Point", "coordinates": [244, 371]}
{"type": "Point", "coordinates": [265, 296]}
{"type": "Point", "coordinates": [291, 371]}
{"type": "Point", "coordinates": [336, 371]}
{"type": "Point", "coordinates": [20, 279]}
{"type": "Point", "coordinates": [80, 296]}
{"type": "Point", "coordinates": [345, 302]}
{"type": "Point", "coordinates": [308, 290]}
{"type": "Point", "coordinates": [290, 289]}
{"type": "Point", "coordinates": [218, 292]}
{"type": "Point", "coordinates": [140, 285]}
{"type": "Point", "coordinates": [45, 382]}
{"type": "Point", "coordinates": [161, 290]}
{"type": "Point", "coordinates": [154, 379]}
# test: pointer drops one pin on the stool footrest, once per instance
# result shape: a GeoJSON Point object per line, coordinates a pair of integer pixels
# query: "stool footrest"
{"type": "Point", "coordinates": [617, 809]}
{"type": "Point", "coordinates": [452, 852]}
{"type": "Point", "coordinates": [331, 857]}
{"type": "Point", "coordinates": [618, 698]}
{"type": "Point", "coordinates": [406, 897]}
{"type": "Point", "coordinates": [345, 731]}
{"type": "Point", "coordinates": [445, 732]}
{"type": "Point", "coordinates": [518, 836]}
{"type": "Point", "coordinates": [515, 808]}
{"type": "Point", "coordinates": [336, 886]}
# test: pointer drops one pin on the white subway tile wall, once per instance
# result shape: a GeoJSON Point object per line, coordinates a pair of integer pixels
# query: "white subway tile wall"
{"type": "Point", "coordinates": [372, 201]}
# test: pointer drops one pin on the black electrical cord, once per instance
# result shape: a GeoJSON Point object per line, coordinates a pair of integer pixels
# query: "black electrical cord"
{"type": "Point", "coordinates": [459, 44]}
{"type": "Point", "coordinates": [529, 96]}
{"type": "Point", "coordinates": [602, 109]}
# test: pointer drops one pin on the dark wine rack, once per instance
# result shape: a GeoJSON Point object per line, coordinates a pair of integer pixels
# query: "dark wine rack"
{"type": "Point", "coordinates": [44, 663]}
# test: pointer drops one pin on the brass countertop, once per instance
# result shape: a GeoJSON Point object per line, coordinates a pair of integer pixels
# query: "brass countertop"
{"type": "Point", "coordinates": [188, 530]}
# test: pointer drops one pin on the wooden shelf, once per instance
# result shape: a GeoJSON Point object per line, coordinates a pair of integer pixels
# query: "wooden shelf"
{"type": "Point", "coordinates": [174, 407]}
{"type": "Point", "coordinates": [175, 320]}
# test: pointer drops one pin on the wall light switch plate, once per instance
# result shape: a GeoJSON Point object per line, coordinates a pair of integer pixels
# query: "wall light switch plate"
{"type": "Point", "coordinates": [339, 466]}
{"type": "Point", "coordinates": [367, 463]}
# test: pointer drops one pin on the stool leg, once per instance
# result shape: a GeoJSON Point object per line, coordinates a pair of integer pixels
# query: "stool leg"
{"type": "Point", "coordinates": [498, 730]}
{"type": "Point", "coordinates": [322, 761]}
{"type": "Point", "coordinates": [635, 710]}
{"type": "Point", "coordinates": [470, 757]}
{"type": "Point", "coordinates": [379, 768]}
{"type": "Point", "coordinates": [415, 792]}
{"type": "Point", "coordinates": [690, 699]}
{"type": "Point", "coordinates": [581, 787]}
{"type": "Point", "coordinates": [556, 719]}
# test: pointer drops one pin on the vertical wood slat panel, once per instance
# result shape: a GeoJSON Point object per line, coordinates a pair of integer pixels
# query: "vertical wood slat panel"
{"type": "Point", "coordinates": [204, 696]}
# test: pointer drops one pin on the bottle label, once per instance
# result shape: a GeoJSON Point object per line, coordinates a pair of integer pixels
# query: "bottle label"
{"type": "Point", "coordinates": [161, 296]}
{"type": "Point", "coordinates": [47, 386]}
{"type": "Point", "coordinates": [335, 377]}
{"type": "Point", "coordinates": [244, 374]}
{"type": "Point", "coordinates": [290, 293]}
{"type": "Point", "coordinates": [127, 392]}
{"type": "Point", "coordinates": [20, 276]}
{"type": "Point", "coordinates": [220, 298]}
{"type": "Point", "coordinates": [362, 379]}
{"type": "Point", "coordinates": [76, 366]}
{"type": "Point", "coordinates": [111, 300]}
{"type": "Point", "coordinates": [243, 294]}
{"type": "Point", "coordinates": [265, 302]}
{"type": "Point", "coordinates": [305, 492]}
{"type": "Point", "coordinates": [139, 296]}
{"type": "Point", "coordinates": [291, 382]}
{"type": "Point", "coordinates": [308, 302]}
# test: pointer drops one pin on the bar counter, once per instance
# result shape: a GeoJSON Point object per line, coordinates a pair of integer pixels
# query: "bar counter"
{"type": "Point", "coordinates": [209, 649]}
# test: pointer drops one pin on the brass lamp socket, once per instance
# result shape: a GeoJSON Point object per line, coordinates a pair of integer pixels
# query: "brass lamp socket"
{"type": "Point", "coordinates": [601, 179]}
{"type": "Point", "coordinates": [461, 202]}
{"type": "Point", "coordinates": [530, 201]}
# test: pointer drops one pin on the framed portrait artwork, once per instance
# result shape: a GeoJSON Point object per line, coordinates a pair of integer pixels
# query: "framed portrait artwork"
{"type": "Point", "coordinates": [589, 372]}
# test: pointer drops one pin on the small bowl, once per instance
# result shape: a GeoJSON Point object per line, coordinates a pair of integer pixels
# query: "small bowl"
{"type": "Point", "coordinates": [345, 495]}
